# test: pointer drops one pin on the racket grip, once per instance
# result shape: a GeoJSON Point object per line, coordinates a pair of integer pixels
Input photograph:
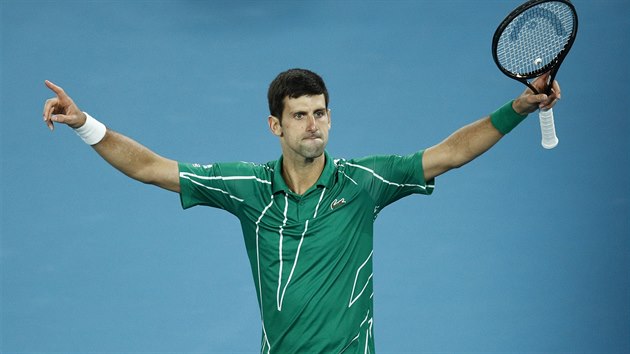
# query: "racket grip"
{"type": "Point", "coordinates": [548, 129]}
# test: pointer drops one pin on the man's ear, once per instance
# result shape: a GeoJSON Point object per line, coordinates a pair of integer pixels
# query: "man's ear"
{"type": "Point", "coordinates": [275, 126]}
{"type": "Point", "coordinates": [329, 120]}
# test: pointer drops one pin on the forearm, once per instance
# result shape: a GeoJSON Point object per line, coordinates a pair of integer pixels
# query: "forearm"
{"type": "Point", "coordinates": [470, 141]}
{"type": "Point", "coordinates": [474, 139]}
{"type": "Point", "coordinates": [137, 161]}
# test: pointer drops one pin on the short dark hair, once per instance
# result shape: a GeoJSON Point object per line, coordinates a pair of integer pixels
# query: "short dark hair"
{"type": "Point", "coordinates": [294, 83]}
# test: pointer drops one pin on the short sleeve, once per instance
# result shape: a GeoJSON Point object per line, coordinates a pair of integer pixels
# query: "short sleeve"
{"type": "Point", "coordinates": [221, 185]}
{"type": "Point", "coordinates": [391, 177]}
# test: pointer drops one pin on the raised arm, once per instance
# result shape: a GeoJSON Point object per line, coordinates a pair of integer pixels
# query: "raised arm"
{"type": "Point", "coordinates": [472, 140]}
{"type": "Point", "coordinates": [125, 154]}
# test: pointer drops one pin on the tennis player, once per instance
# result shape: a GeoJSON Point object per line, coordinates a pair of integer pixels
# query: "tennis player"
{"type": "Point", "coordinates": [307, 218]}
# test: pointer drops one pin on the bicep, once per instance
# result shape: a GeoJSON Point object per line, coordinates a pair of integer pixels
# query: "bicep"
{"type": "Point", "coordinates": [436, 161]}
{"type": "Point", "coordinates": [165, 174]}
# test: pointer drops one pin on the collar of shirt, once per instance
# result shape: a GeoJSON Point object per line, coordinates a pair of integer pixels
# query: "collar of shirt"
{"type": "Point", "coordinates": [326, 179]}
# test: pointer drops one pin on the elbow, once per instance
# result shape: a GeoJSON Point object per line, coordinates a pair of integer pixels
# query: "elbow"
{"type": "Point", "coordinates": [143, 171]}
{"type": "Point", "coordinates": [164, 174]}
{"type": "Point", "coordinates": [456, 156]}
{"type": "Point", "coordinates": [140, 176]}
{"type": "Point", "coordinates": [460, 160]}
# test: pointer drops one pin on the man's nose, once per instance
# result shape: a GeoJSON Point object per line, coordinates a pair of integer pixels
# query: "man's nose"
{"type": "Point", "coordinates": [310, 123]}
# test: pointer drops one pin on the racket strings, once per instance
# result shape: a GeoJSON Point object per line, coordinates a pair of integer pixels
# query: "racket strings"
{"type": "Point", "coordinates": [533, 40]}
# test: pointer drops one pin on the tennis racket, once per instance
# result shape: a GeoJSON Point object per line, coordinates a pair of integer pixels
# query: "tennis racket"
{"type": "Point", "coordinates": [532, 40]}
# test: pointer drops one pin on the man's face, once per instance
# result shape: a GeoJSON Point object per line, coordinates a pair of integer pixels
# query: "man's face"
{"type": "Point", "coordinates": [304, 129]}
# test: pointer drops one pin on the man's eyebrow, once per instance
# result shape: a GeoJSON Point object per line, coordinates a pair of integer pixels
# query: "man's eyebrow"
{"type": "Point", "coordinates": [305, 111]}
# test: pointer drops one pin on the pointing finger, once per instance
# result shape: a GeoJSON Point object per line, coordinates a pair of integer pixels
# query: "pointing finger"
{"type": "Point", "coordinates": [56, 89]}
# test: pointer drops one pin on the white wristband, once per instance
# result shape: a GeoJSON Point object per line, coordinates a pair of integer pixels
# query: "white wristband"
{"type": "Point", "coordinates": [92, 131]}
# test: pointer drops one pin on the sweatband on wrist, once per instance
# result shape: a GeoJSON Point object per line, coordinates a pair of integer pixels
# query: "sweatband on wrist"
{"type": "Point", "coordinates": [92, 131]}
{"type": "Point", "coordinates": [505, 118]}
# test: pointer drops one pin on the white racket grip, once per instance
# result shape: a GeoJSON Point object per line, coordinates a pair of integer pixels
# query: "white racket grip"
{"type": "Point", "coordinates": [548, 129]}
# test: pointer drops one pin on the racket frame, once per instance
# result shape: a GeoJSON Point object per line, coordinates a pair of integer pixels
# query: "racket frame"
{"type": "Point", "coordinates": [553, 65]}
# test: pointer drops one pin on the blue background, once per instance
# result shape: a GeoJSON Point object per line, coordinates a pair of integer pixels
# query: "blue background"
{"type": "Point", "coordinates": [522, 250]}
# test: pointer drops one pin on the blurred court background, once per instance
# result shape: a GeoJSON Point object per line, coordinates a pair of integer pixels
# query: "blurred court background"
{"type": "Point", "coordinates": [522, 251]}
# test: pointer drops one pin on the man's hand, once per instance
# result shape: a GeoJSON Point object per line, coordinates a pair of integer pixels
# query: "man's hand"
{"type": "Point", "coordinates": [528, 102]}
{"type": "Point", "coordinates": [62, 109]}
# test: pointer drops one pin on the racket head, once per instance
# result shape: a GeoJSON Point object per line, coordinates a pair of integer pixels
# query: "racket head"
{"type": "Point", "coordinates": [534, 39]}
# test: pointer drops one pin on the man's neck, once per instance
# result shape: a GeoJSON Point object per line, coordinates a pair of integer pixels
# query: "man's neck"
{"type": "Point", "coordinates": [300, 175]}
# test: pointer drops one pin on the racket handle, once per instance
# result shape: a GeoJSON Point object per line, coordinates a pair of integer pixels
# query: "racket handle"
{"type": "Point", "coordinates": [548, 129]}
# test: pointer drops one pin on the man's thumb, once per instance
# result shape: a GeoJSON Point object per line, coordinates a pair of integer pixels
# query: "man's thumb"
{"type": "Point", "coordinates": [59, 118]}
{"type": "Point", "coordinates": [541, 98]}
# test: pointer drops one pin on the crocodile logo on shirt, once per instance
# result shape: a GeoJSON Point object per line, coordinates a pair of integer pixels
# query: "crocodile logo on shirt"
{"type": "Point", "coordinates": [337, 203]}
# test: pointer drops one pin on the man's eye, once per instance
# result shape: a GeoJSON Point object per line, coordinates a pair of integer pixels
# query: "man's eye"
{"type": "Point", "coordinates": [298, 115]}
{"type": "Point", "coordinates": [319, 114]}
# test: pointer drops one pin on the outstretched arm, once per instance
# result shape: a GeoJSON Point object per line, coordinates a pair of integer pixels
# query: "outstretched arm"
{"type": "Point", "coordinates": [125, 154]}
{"type": "Point", "coordinates": [476, 138]}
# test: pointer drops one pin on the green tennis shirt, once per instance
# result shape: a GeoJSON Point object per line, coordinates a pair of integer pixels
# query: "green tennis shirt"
{"type": "Point", "coordinates": [311, 254]}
